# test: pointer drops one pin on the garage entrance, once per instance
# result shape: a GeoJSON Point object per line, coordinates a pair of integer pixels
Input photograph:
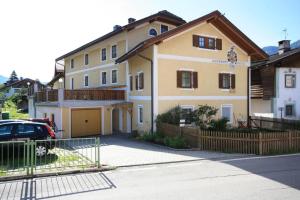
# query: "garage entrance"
{"type": "Point", "coordinates": [86, 122]}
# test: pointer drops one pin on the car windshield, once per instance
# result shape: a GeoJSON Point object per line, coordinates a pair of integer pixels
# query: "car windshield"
{"type": "Point", "coordinates": [5, 129]}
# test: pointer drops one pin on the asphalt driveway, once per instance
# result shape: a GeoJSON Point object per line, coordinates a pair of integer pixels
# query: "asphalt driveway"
{"type": "Point", "coordinates": [118, 150]}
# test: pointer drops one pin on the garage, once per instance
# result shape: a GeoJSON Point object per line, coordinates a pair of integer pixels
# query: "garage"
{"type": "Point", "coordinates": [86, 122]}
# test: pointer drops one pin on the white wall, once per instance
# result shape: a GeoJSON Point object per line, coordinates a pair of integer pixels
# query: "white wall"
{"type": "Point", "coordinates": [31, 107]}
{"type": "Point", "coordinates": [40, 110]}
{"type": "Point", "coordinates": [261, 106]}
{"type": "Point", "coordinates": [286, 95]}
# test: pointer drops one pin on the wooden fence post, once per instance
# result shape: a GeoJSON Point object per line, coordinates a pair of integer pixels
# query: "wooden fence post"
{"type": "Point", "coordinates": [199, 139]}
{"type": "Point", "coordinates": [290, 140]}
{"type": "Point", "coordinates": [260, 144]}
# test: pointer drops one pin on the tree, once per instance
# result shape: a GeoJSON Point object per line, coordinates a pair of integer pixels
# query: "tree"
{"type": "Point", "coordinates": [13, 77]}
{"type": "Point", "coordinates": [204, 114]}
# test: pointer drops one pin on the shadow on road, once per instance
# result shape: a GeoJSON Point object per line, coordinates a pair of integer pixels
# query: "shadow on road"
{"type": "Point", "coordinates": [58, 186]}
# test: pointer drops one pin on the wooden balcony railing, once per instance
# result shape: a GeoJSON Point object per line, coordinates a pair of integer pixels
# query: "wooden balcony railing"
{"type": "Point", "coordinates": [94, 95]}
{"type": "Point", "coordinates": [46, 95]}
{"type": "Point", "coordinates": [52, 95]}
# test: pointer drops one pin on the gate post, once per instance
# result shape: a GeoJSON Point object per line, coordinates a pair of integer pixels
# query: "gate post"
{"type": "Point", "coordinates": [27, 143]}
{"type": "Point", "coordinates": [260, 146]}
{"type": "Point", "coordinates": [32, 157]}
{"type": "Point", "coordinates": [98, 151]}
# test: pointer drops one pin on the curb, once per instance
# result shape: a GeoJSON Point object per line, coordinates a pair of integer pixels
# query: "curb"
{"type": "Point", "coordinates": [20, 177]}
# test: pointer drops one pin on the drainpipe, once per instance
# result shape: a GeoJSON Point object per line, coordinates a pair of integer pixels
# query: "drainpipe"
{"type": "Point", "coordinates": [248, 97]}
{"type": "Point", "coordinates": [152, 102]}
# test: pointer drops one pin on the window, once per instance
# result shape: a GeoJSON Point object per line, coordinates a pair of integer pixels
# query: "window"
{"type": "Point", "coordinates": [207, 42]}
{"type": "Point", "coordinates": [114, 51]}
{"type": "Point", "coordinates": [103, 54]}
{"type": "Point", "coordinates": [114, 77]}
{"type": "Point", "coordinates": [201, 42]}
{"type": "Point", "coordinates": [86, 80]}
{"type": "Point", "coordinates": [163, 28]}
{"type": "Point", "coordinates": [86, 59]}
{"type": "Point", "coordinates": [211, 43]}
{"type": "Point", "coordinates": [140, 80]}
{"type": "Point", "coordinates": [187, 79]}
{"type": "Point", "coordinates": [226, 81]}
{"type": "Point", "coordinates": [290, 81]}
{"type": "Point", "coordinates": [103, 78]}
{"type": "Point", "coordinates": [130, 83]}
{"type": "Point", "coordinates": [226, 112]}
{"type": "Point", "coordinates": [140, 114]}
{"type": "Point", "coordinates": [72, 83]}
{"type": "Point", "coordinates": [289, 110]}
{"type": "Point", "coordinates": [152, 32]}
{"type": "Point", "coordinates": [72, 63]}
{"type": "Point", "coordinates": [5, 129]}
{"type": "Point", "coordinates": [25, 129]}
{"type": "Point", "coordinates": [186, 114]}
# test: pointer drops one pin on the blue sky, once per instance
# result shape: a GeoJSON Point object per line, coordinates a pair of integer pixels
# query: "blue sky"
{"type": "Point", "coordinates": [34, 33]}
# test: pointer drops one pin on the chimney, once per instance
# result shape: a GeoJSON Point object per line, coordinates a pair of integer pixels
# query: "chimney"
{"type": "Point", "coordinates": [130, 20]}
{"type": "Point", "coordinates": [283, 46]}
{"type": "Point", "coordinates": [117, 27]}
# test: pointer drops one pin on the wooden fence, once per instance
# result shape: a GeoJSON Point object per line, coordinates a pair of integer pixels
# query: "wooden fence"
{"type": "Point", "coordinates": [274, 123]}
{"type": "Point", "coordinates": [260, 143]}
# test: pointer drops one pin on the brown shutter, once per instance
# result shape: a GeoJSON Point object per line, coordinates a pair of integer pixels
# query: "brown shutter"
{"type": "Point", "coordinates": [131, 83]}
{"type": "Point", "coordinates": [232, 81]}
{"type": "Point", "coordinates": [214, 43]}
{"type": "Point", "coordinates": [136, 82]}
{"type": "Point", "coordinates": [195, 79]}
{"type": "Point", "coordinates": [179, 79]}
{"type": "Point", "coordinates": [206, 42]}
{"type": "Point", "coordinates": [219, 44]}
{"type": "Point", "coordinates": [141, 81]}
{"type": "Point", "coordinates": [220, 80]}
{"type": "Point", "coordinates": [195, 40]}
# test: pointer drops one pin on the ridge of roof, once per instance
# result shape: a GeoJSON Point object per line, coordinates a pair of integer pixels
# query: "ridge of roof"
{"type": "Point", "coordinates": [163, 13]}
{"type": "Point", "coordinates": [157, 39]}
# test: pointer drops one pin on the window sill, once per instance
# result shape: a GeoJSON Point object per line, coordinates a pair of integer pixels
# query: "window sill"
{"type": "Point", "coordinates": [204, 49]}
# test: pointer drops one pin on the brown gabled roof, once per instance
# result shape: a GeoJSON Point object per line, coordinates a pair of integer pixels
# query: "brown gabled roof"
{"type": "Point", "coordinates": [218, 20]}
{"type": "Point", "coordinates": [164, 16]}
{"type": "Point", "coordinates": [21, 83]}
{"type": "Point", "coordinates": [56, 78]}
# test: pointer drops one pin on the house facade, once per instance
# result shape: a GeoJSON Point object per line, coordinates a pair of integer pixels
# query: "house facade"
{"type": "Point", "coordinates": [275, 86]}
{"type": "Point", "coordinates": [123, 80]}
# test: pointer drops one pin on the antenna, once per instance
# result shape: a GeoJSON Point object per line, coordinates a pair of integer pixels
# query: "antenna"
{"type": "Point", "coordinates": [285, 33]}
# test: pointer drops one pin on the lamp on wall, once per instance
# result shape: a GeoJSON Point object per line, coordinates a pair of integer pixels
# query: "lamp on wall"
{"type": "Point", "coordinates": [60, 81]}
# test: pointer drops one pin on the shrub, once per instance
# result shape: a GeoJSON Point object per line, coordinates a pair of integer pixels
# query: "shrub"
{"type": "Point", "coordinates": [170, 117]}
{"type": "Point", "coordinates": [176, 142]}
{"type": "Point", "coordinates": [219, 124]}
{"type": "Point", "coordinates": [204, 114]}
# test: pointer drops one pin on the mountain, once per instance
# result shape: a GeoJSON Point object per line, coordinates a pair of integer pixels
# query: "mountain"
{"type": "Point", "coordinates": [270, 50]}
{"type": "Point", "coordinates": [3, 79]}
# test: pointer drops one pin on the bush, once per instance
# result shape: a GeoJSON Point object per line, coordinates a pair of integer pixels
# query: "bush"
{"type": "Point", "coordinates": [170, 117]}
{"type": "Point", "coordinates": [176, 142]}
{"type": "Point", "coordinates": [219, 124]}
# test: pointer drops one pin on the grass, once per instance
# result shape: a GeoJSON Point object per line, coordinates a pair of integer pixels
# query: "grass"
{"type": "Point", "coordinates": [11, 108]}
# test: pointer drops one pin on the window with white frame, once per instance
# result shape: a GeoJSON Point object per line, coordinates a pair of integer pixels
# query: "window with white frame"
{"type": "Point", "coordinates": [152, 32]}
{"type": "Point", "coordinates": [201, 42]}
{"type": "Point", "coordinates": [103, 78]}
{"type": "Point", "coordinates": [290, 80]}
{"type": "Point", "coordinates": [86, 80]}
{"type": "Point", "coordinates": [114, 51]}
{"type": "Point", "coordinates": [114, 76]}
{"type": "Point", "coordinates": [140, 114]}
{"type": "Point", "coordinates": [72, 63]}
{"type": "Point", "coordinates": [290, 110]}
{"type": "Point", "coordinates": [103, 54]}
{"type": "Point", "coordinates": [226, 112]}
{"type": "Point", "coordinates": [86, 59]}
{"type": "Point", "coordinates": [187, 113]}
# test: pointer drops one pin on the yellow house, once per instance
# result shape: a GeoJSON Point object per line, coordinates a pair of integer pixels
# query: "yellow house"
{"type": "Point", "coordinates": [121, 81]}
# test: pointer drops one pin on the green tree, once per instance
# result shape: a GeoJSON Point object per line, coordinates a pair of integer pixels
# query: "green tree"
{"type": "Point", "coordinates": [13, 77]}
{"type": "Point", "coordinates": [204, 114]}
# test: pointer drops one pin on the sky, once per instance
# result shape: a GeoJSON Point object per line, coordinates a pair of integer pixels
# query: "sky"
{"type": "Point", "coordinates": [35, 32]}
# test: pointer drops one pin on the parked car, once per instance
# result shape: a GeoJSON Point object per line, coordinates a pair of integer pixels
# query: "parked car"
{"type": "Point", "coordinates": [23, 131]}
{"type": "Point", "coordinates": [10, 120]}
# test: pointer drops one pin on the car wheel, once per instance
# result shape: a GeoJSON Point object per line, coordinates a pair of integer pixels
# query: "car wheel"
{"type": "Point", "coordinates": [40, 151]}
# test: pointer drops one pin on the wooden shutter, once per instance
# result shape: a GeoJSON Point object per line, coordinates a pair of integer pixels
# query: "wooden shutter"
{"type": "Point", "coordinates": [214, 43]}
{"type": "Point", "coordinates": [220, 80]}
{"type": "Point", "coordinates": [206, 42]}
{"type": "Point", "coordinates": [195, 40]}
{"type": "Point", "coordinates": [219, 44]}
{"type": "Point", "coordinates": [179, 79]}
{"type": "Point", "coordinates": [195, 80]}
{"type": "Point", "coordinates": [141, 79]}
{"type": "Point", "coordinates": [232, 81]}
{"type": "Point", "coordinates": [131, 83]}
{"type": "Point", "coordinates": [136, 82]}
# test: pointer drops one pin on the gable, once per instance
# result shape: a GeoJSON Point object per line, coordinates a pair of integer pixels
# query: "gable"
{"type": "Point", "coordinates": [182, 44]}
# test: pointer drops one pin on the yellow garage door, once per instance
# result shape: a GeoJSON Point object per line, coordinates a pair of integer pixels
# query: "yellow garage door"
{"type": "Point", "coordinates": [86, 122]}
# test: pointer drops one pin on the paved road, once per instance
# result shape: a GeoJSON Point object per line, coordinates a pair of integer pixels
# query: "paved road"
{"type": "Point", "coordinates": [246, 178]}
{"type": "Point", "coordinates": [121, 151]}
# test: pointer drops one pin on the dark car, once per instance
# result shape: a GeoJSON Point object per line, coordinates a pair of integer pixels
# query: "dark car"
{"type": "Point", "coordinates": [10, 120]}
{"type": "Point", "coordinates": [23, 131]}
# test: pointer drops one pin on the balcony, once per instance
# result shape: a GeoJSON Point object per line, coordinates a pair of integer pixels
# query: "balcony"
{"type": "Point", "coordinates": [61, 95]}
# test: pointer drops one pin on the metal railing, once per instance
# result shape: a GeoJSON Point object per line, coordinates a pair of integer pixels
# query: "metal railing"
{"type": "Point", "coordinates": [48, 156]}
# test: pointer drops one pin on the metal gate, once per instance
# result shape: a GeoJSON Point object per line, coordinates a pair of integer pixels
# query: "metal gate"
{"type": "Point", "coordinates": [27, 158]}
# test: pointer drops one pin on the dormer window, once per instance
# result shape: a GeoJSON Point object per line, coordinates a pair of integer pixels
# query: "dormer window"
{"type": "Point", "coordinates": [152, 32]}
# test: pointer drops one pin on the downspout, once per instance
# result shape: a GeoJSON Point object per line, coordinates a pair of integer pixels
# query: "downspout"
{"type": "Point", "coordinates": [248, 98]}
{"type": "Point", "coordinates": [152, 91]}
